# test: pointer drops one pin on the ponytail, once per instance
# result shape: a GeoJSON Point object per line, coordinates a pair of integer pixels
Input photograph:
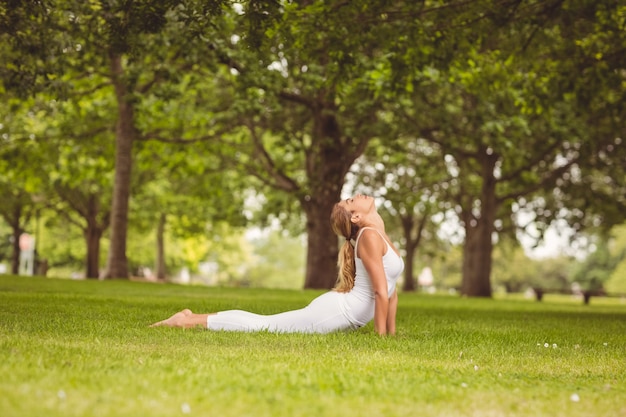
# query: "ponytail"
{"type": "Point", "coordinates": [342, 226]}
{"type": "Point", "coordinates": [347, 268]}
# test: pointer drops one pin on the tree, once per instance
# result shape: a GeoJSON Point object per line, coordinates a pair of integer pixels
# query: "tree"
{"type": "Point", "coordinates": [616, 284]}
{"type": "Point", "coordinates": [553, 275]}
{"type": "Point", "coordinates": [309, 111]}
{"type": "Point", "coordinates": [180, 190]}
{"type": "Point", "coordinates": [120, 43]}
{"type": "Point", "coordinates": [515, 271]}
{"type": "Point", "coordinates": [518, 101]}
{"type": "Point", "coordinates": [512, 269]}
{"type": "Point", "coordinates": [596, 269]}
{"type": "Point", "coordinates": [76, 164]}
{"type": "Point", "coordinates": [65, 149]}
{"type": "Point", "coordinates": [102, 49]}
{"type": "Point", "coordinates": [507, 131]}
{"type": "Point", "coordinates": [17, 213]}
{"type": "Point", "coordinates": [18, 160]}
{"type": "Point", "coordinates": [123, 27]}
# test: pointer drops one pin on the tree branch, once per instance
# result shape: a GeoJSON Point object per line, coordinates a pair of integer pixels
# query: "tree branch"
{"type": "Point", "coordinates": [281, 180]}
{"type": "Point", "coordinates": [537, 186]}
{"type": "Point", "coordinates": [530, 163]}
{"type": "Point", "coordinates": [296, 98]}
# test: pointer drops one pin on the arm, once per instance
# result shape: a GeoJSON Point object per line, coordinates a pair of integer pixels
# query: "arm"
{"type": "Point", "coordinates": [391, 314]}
{"type": "Point", "coordinates": [371, 250]}
{"type": "Point", "coordinates": [381, 312]}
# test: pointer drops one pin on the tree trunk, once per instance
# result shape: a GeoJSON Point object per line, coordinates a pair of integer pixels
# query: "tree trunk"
{"type": "Point", "coordinates": [410, 247]}
{"type": "Point", "coordinates": [92, 237]}
{"type": "Point", "coordinates": [160, 255]}
{"type": "Point", "coordinates": [478, 248]}
{"type": "Point", "coordinates": [477, 261]}
{"type": "Point", "coordinates": [93, 233]}
{"type": "Point", "coordinates": [117, 263]}
{"type": "Point", "coordinates": [409, 280]}
{"type": "Point", "coordinates": [322, 243]}
{"type": "Point", "coordinates": [15, 254]}
{"type": "Point", "coordinates": [327, 162]}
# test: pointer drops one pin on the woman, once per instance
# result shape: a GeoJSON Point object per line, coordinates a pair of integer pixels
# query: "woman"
{"type": "Point", "coordinates": [365, 290]}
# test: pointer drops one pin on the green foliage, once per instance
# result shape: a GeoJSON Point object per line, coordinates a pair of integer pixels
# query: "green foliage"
{"type": "Point", "coordinates": [23, 45]}
{"type": "Point", "coordinates": [72, 348]}
{"type": "Point", "coordinates": [445, 265]}
{"type": "Point", "coordinates": [510, 119]}
{"type": "Point", "coordinates": [278, 261]}
{"type": "Point", "coordinates": [66, 259]}
{"type": "Point", "coordinates": [516, 272]}
{"type": "Point", "coordinates": [5, 244]}
{"type": "Point", "coordinates": [220, 248]}
{"type": "Point", "coordinates": [597, 267]}
{"type": "Point", "coordinates": [223, 246]}
{"type": "Point", "coordinates": [291, 93]}
{"type": "Point", "coordinates": [616, 284]}
{"type": "Point", "coordinates": [554, 274]}
{"type": "Point", "coordinates": [513, 270]}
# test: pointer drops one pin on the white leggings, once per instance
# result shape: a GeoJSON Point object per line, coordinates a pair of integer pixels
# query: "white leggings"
{"type": "Point", "coordinates": [323, 315]}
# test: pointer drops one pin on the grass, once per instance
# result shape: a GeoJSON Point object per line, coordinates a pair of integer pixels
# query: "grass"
{"type": "Point", "coordinates": [83, 348]}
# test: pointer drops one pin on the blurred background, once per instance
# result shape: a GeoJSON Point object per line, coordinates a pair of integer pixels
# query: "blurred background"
{"type": "Point", "coordinates": [205, 142]}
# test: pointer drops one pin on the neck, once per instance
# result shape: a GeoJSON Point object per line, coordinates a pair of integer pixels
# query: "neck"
{"type": "Point", "coordinates": [374, 221]}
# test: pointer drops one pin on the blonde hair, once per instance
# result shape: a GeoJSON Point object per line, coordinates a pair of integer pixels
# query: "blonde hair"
{"type": "Point", "coordinates": [343, 226]}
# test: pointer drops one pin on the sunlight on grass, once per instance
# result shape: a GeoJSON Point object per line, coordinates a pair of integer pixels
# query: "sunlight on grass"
{"type": "Point", "coordinates": [83, 348]}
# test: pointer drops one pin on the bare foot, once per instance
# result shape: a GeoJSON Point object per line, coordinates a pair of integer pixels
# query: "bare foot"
{"type": "Point", "coordinates": [177, 320]}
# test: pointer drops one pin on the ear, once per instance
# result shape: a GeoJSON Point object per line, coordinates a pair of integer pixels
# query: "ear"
{"type": "Point", "coordinates": [355, 218]}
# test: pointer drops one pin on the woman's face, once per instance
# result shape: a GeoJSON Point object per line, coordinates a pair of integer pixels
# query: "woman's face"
{"type": "Point", "coordinates": [359, 204]}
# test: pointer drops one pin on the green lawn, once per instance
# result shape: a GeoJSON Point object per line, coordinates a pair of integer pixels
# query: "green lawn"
{"type": "Point", "coordinates": [83, 348]}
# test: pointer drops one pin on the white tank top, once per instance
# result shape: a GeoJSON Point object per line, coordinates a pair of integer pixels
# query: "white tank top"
{"type": "Point", "coordinates": [392, 264]}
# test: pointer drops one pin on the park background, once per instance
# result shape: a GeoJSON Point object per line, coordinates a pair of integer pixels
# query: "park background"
{"type": "Point", "coordinates": [206, 141]}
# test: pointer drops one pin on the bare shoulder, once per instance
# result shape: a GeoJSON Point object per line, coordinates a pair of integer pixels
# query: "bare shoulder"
{"type": "Point", "coordinates": [371, 242]}
{"type": "Point", "coordinates": [369, 232]}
